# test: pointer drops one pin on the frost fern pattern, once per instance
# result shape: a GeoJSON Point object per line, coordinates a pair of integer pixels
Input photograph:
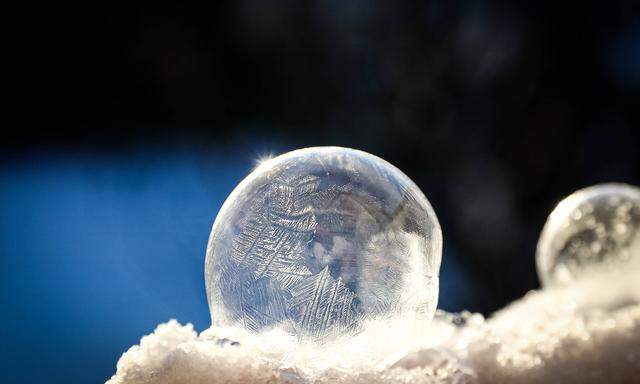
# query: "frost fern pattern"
{"type": "Point", "coordinates": [273, 244]}
{"type": "Point", "coordinates": [319, 241]}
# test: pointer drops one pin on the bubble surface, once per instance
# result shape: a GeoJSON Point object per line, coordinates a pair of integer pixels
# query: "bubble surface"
{"type": "Point", "coordinates": [318, 241]}
{"type": "Point", "coordinates": [595, 229]}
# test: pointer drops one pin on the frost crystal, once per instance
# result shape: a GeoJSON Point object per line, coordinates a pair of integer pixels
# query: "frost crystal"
{"type": "Point", "coordinates": [594, 229]}
{"type": "Point", "coordinates": [319, 240]}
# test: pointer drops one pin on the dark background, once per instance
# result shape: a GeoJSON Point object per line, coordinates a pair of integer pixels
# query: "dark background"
{"type": "Point", "coordinates": [140, 119]}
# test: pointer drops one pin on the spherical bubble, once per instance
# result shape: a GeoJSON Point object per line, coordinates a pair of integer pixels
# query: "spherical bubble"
{"type": "Point", "coordinates": [594, 230]}
{"type": "Point", "coordinates": [319, 240]}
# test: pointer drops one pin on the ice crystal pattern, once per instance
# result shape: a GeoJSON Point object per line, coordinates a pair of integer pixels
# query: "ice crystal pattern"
{"type": "Point", "coordinates": [319, 240]}
{"type": "Point", "coordinates": [596, 229]}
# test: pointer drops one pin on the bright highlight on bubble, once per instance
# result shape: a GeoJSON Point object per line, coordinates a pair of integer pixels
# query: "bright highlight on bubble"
{"type": "Point", "coordinates": [318, 241]}
{"type": "Point", "coordinates": [595, 229]}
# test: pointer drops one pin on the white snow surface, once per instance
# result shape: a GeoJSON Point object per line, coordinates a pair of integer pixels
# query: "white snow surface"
{"type": "Point", "coordinates": [588, 332]}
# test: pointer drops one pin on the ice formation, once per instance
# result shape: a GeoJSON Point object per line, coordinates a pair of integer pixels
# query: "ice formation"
{"type": "Point", "coordinates": [584, 332]}
{"type": "Point", "coordinates": [587, 332]}
{"type": "Point", "coordinates": [594, 229]}
{"type": "Point", "coordinates": [319, 241]}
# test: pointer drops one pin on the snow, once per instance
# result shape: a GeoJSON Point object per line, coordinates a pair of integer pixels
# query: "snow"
{"type": "Point", "coordinates": [588, 332]}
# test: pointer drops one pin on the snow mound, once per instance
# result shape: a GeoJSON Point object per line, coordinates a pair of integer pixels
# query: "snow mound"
{"type": "Point", "coordinates": [586, 333]}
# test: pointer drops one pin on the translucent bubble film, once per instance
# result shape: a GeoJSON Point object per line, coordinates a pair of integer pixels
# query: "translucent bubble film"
{"type": "Point", "coordinates": [320, 240]}
{"type": "Point", "coordinates": [595, 229]}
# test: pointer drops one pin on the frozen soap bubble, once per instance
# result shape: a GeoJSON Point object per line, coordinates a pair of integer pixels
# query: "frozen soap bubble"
{"type": "Point", "coordinates": [319, 240]}
{"type": "Point", "coordinates": [595, 229]}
